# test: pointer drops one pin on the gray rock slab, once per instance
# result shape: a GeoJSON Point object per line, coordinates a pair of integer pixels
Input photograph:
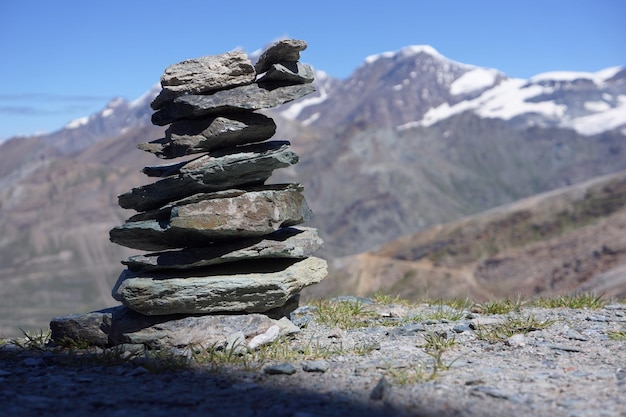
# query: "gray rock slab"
{"type": "Point", "coordinates": [280, 51]}
{"type": "Point", "coordinates": [288, 73]}
{"type": "Point", "coordinates": [121, 325]}
{"type": "Point", "coordinates": [246, 97]}
{"type": "Point", "coordinates": [256, 287]}
{"type": "Point", "coordinates": [208, 73]}
{"type": "Point", "coordinates": [252, 164]}
{"type": "Point", "coordinates": [206, 218]}
{"type": "Point", "coordinates": [288, 242]}
{"type": "Point", "coordinates": [187, 137]}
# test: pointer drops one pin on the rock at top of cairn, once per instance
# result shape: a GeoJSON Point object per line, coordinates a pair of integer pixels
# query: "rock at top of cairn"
{"type": "Point", "coordinates": [205, 74]}
{"type": "Point", "coordinates": [284, 50]}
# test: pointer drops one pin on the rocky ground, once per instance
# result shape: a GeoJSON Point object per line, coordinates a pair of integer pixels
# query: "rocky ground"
{"type": "Point", "coordinates": [352, 357]}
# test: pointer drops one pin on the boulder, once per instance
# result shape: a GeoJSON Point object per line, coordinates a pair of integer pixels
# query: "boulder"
{"type": "Point", "coordinates": [249, 165]}
{"type": "Point", "coordinates": [203, 135]}
{"type": "Point", "coordinates": [246, 97]}
{"type": "Point", "coordinates": [280, 51]}
{"type": "Point", "coordinates": [206, 218]}
{"type": "Point", "coordinates": [246, 287]}
{"type": "Point", "coordinates": [287, 242]}
{"type": "Point", "coordinates": [201, 75]}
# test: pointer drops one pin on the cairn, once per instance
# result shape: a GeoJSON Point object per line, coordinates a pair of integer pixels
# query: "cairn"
{"type": "Point", "coordinates": [226, 252]}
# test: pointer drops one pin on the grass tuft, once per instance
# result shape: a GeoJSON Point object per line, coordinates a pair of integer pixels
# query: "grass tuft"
{"type": "Point", "coordinates": [579, 300]}
{"type": "Point", "coordinates": [511, 326]}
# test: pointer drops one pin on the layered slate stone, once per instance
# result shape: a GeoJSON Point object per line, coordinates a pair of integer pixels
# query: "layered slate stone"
{"type": "Point", "coordinates": [284, 50]}
{"type": "Point", "coordinates": [287, 242]}
{"type": "Point", "coordinates": [253, 288]}
{"type": "Point", "coordinates": [288, 73]}
{"type": "Point", "coordinates": [205, 218]}
{"type": "Point", "coordinates": [247, 97]}
{"type": "Point", "coordinates": [120, 325]}
{"type": "Point", "coordinates": [191, 136]}
{"type": "Point", "coordinates": [201, 75]}
{"type": "Point", "coordinates": [247, 165]}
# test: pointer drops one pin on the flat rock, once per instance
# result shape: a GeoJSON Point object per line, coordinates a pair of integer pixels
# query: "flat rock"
{"type": "Point", "coordinates": [288, 73]}
{"type": "Point", "coordinates": [256, 287]}
{"type": "Point", "coordinates": [280, 51]}
{"type": "Point", "coordinates": [203, 219]}
{"type": "Point", "coordinates": [204, 74]}
{"type": "Point", "coordinates": [121, 325]}
{"type": "Point", "coordinates": [246, 97]}
{"type": "Point", "coordinates": [187, 137]}
{"type": "Point", "coordinates": [252, 164]}
{"type": "Point", "coordinates": [287, 242]}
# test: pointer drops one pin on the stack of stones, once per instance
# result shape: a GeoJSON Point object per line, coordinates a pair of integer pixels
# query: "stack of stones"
{"type": "Point", "coordinates": [224, 243]}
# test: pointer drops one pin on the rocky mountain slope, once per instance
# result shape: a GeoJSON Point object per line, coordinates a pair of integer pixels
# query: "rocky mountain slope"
{"type": "Point", "coordinates": [568, 240]}
{"type": "Point", "coordinates": [410, 140]}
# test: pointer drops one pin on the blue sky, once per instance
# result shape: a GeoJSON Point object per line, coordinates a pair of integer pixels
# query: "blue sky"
{"type": "Point", "coordinates": [66, 59]}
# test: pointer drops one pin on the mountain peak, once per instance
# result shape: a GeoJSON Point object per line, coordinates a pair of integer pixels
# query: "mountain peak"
{"type": "Point", "coordinates": [406, 51]}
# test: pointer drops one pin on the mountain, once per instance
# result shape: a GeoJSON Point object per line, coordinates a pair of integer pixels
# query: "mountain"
{"type": "Point", "coordinates": [411, 139]}
{"type": "Point", "coordinates": [558, 242]}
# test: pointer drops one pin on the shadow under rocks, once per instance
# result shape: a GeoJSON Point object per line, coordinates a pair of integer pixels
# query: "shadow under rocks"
{"type": "Point", "coordinates": [44, 383]}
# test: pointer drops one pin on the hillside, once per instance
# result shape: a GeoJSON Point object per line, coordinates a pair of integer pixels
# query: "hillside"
{"type": "Point", "coordinates": [567, 240]}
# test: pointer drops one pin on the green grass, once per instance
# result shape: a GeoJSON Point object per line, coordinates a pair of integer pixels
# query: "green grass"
{"type": "Point", "coordinates": [618, 334]}
{"type": "Point", "coordinates": [503, 306]}
{"type": "Point", "coordinates": [342, 314]}
{"type": "Point", "coordinates": [578, 300]}
{"type": "Point", "coordinates": [511, 326]}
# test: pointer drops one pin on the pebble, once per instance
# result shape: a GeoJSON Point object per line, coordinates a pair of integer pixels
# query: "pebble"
{"type": "Point", "coordinates": [315, 366]}
{"type": "Point", "coordinates": [280, 369]}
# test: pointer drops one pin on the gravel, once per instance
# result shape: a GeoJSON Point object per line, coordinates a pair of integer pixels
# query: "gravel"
{"type": "Point", "coordinates": [572, 367]}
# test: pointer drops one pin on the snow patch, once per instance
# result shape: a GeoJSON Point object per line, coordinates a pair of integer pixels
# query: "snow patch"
{"type": "Point", "coordinates": [474, 80]}
{"type": "Point", "coordinates": [147, 97]}
{"type": "Point", "coordinates": [594, 124]}
{"type": "Point", "coordinates": [77, 123]}
{"type": "Point", "coordinates": [597, 106]}
{"type": "Point", "coordinates": [107, 112]}
{"type": "Point", "coordinates": [568, 76]}
{"type": "Point", "coordinates": [292, 112]}
{"type": "Point", "coordinates": [311, 119]}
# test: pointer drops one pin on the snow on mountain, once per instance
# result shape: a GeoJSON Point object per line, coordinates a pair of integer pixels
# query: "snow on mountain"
{"type": "Point", "coordinates": [476, 79]}
{"type": "Point", "coordinates": [323, 82]}
{"type": "Point", "coordinates": [589, 103]}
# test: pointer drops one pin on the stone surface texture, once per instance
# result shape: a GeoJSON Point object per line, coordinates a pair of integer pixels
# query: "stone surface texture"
{"type": "Point", "coordinates": [251, 290]}
{"type": "Point", "coordinates": [204, 74]}
{"type": "Point", "coordinates": [280, 51]}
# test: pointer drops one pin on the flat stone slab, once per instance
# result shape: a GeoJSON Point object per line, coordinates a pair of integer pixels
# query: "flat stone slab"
{"type": "Point", "coordinates": [203, 219]}
{"type": "Point", "coordinates": [251, 164]}
{"type": "Point", "coordinates": [288, 242]}
{"type": "Point", "coordinates": [208, 73]}
{"type": "Point", "coordinates": [187, 137]}
{"type": "Point", "coordinates": [288, 73]}
{"type": "Point", "coordinates": [280, 51]}
{"type": "Point", "coordinates": [251, 287]}
{"type": "Point", "coordinates": [120, 325]}
{"type": "Point", "coordinates": [246, 97]}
